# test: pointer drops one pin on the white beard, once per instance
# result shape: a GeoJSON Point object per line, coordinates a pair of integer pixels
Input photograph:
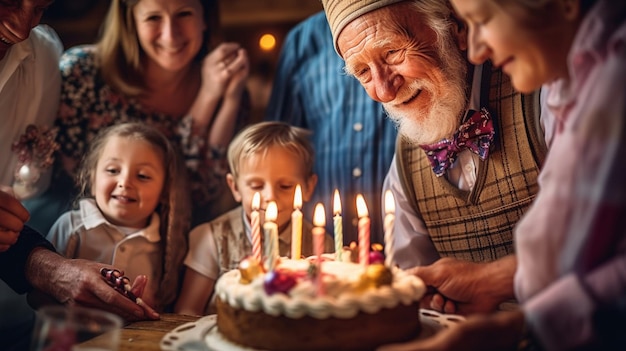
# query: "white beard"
{"type": "Point", "coordinates": [441, 118]}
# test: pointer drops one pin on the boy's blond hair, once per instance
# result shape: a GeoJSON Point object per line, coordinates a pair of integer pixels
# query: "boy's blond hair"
{"type": "Point", "coordinates": [259, 137]}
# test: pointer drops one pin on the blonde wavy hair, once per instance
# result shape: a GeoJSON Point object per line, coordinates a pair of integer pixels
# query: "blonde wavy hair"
{"type": "Point", "coordinates": [118, 51]}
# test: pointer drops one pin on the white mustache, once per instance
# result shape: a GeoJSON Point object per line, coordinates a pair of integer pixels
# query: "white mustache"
{"type": "Point", "coordinates": [409, 91]}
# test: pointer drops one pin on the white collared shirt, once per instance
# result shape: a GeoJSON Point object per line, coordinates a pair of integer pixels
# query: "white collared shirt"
{"type": "Point", "coordinates": [86, 234]}
{"type": "Point", "coordinates": [30, 84]}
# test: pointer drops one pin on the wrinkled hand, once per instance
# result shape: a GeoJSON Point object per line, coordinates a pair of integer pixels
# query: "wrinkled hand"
{"type": "Point", "coordinates": [12, 218]}
{"type": "Point", "coordinates": [79, 282]}
{"type": "Point", "coordinates": [465, 287]}
{"type": "Point", "coordinates": [225, 70]}
{"type": "Point", "coordinates": [497, 332]}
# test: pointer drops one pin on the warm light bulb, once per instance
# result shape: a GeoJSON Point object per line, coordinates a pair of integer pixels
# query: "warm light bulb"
{"type": "Point", "coordinates": [271, 213]}
{"type": "Point", "coordinates": [267, 42]}
{"type": "Point", "coordinates": [319, 216]}
{"type": "Point", "coordinates": [336, 203]}
{"type": "Point", "coordinates": [297, 197]}
{"type": "Point", "coordinates": [361, 207]}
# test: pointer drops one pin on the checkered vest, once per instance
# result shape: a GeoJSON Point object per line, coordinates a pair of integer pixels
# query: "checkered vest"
{"type": "Point", "coordinates": [477, 225]}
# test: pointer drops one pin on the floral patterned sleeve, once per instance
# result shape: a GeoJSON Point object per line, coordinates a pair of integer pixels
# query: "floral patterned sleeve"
{"type": "Point", "coordinates": [77, 93]}
{"type": "Point", "coordinates": [207, 163]}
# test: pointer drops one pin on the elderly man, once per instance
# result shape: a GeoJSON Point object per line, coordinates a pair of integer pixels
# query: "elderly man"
{"type": "Point", "coordinates": [470, 148]}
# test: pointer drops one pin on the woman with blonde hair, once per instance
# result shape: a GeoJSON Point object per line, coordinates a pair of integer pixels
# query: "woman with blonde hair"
{"type": "Point", "coordinates": [570, 277]}
{"type": "Point", "coordinates": [155, 62]}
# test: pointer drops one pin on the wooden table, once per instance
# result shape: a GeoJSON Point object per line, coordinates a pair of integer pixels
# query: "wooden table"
{"type": "Point", "coordinates": [146, 335]}
{"type": "Point", "coordinates": [142, 336]}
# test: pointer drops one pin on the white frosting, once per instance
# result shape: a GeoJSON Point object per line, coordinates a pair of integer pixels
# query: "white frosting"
{"type": "Point", "coordinates": [340, 299]}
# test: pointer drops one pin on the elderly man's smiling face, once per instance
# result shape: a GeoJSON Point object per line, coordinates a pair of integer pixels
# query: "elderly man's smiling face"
{"type": "Point", "coordinates": [400, 60]}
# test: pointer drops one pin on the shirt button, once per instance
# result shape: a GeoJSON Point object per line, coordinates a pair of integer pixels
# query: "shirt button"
{"type": "Point", "coordinates": [356, 172]}
{"type": "Point", "coordinates": [358, 127]}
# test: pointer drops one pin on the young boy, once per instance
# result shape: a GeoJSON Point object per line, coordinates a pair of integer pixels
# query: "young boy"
{"type": "Point", "coordinates": [270, 158]}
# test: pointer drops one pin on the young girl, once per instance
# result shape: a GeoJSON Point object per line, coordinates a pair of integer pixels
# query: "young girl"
{"type": "Point", "coordinates": [570, 245]}
{"type": "Point", "coordinates": [131, 213]}
{"type": "Point", "coordinates": [270, 158]}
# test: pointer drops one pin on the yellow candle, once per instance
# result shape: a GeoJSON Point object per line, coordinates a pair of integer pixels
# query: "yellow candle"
{"type": "Point", "coordinates": [364, 230]}
{"type": "Point", "coordinates": [319, 222]}
{"type": "Point", "coordinates": [296, 225]}
{"type": "Point", "coordinates": [270, 230]}
{"type": "Point", "coordinates": [255, 225]}
{"type": "Point", "coordinates": [337, 226]}
{"type": "Point", "coordinates": [390, 217]}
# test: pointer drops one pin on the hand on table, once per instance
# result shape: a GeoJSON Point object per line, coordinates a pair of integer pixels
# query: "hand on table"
{"type": "Point", "coordinates": [496, 332]}
{"type": "Point", "coordinates": [79, 282]}
{"type": "Point", "coordinates": [465, 287]}
{"type": "Point", "coordinates": [12, 218]}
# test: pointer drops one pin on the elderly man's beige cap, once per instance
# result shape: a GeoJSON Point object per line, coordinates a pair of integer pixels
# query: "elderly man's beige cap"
{"type": "Point", "coordinates": [341, 12]}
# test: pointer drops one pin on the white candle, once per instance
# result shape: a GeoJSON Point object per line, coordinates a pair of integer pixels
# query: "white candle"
{"type": "Point", "coordinates": [270, 230]}
{"type": "Point", "coordinates": [337, 226]}
{"type": "Point", "coordinates": [255, 225]}
{"type": "Point", "coordinates": [319, 222]}
{"type": "Point", "coordinates": [296, 225]}
{"type": "Point", "coordinates": [390, 217]}
{"type": "Point", "coordinates": [364, 230]}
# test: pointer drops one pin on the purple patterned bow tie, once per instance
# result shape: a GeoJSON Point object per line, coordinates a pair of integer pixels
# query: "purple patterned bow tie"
{"type": "Point", "coordinates": [476, 134]}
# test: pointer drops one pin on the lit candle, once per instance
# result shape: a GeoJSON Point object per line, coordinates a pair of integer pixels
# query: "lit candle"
{"type": "Point", "coordinates": [296, 225]}
{"type": "Point", "coordinates": [364, 230]}
{"type": "Point", "coordinates": [319, 222]}
{"type": "Point", "coordinates": [255, 222]}
{"type": "Point", "coordinates": [390, 217]}
{"type": "Point", "coordinates": [270, 231]}
{"type": "Point", "coordinates": [337, 226]}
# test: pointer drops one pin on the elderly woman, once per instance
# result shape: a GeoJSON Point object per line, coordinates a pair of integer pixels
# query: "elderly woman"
{"type": "Point", "coordinates": [571, 247]}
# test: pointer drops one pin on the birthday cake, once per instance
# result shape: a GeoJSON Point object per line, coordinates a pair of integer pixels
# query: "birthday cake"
{"type": "Point", "coordinates": [346, 307]}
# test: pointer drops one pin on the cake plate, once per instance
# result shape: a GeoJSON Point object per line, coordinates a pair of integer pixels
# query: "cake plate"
{"type": "Point", "coordinates": [203, 335]}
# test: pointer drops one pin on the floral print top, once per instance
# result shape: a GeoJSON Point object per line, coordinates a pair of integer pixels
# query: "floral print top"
{"type": "Point", "coordinates": [88, 105]}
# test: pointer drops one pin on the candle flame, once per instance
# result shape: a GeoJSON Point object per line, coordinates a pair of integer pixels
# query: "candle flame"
{"type": "Point", "coordinates": [271, 213]}
{"type": "Point", "coordinates": [336, 203]}
{"type": "Point", "coordinates": [319, 216]}
{"type": "Point", "coordinates": [297, 198]}
{"type": "Point", "coordinates": [390, 204]}
{"type": "Point", "coordinates": [256, 201]}
{"type": "Point", "coordinates": [361, 207]}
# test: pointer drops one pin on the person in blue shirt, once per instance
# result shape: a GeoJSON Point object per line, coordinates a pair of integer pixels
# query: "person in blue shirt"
{"type": "Point", "coordinates": [353, 141]}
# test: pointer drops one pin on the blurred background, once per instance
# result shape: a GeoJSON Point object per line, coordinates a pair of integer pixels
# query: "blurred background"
{"type": "Point", "coordinates": [259, 25]}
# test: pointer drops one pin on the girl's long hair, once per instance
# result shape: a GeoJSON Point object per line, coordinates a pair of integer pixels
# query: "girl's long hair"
{"type": "Point", "coordinates": [174, 205]}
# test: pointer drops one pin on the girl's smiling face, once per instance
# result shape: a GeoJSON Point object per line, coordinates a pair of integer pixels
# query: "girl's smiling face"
{"type": "Point", "coordinates": [128, 181]}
